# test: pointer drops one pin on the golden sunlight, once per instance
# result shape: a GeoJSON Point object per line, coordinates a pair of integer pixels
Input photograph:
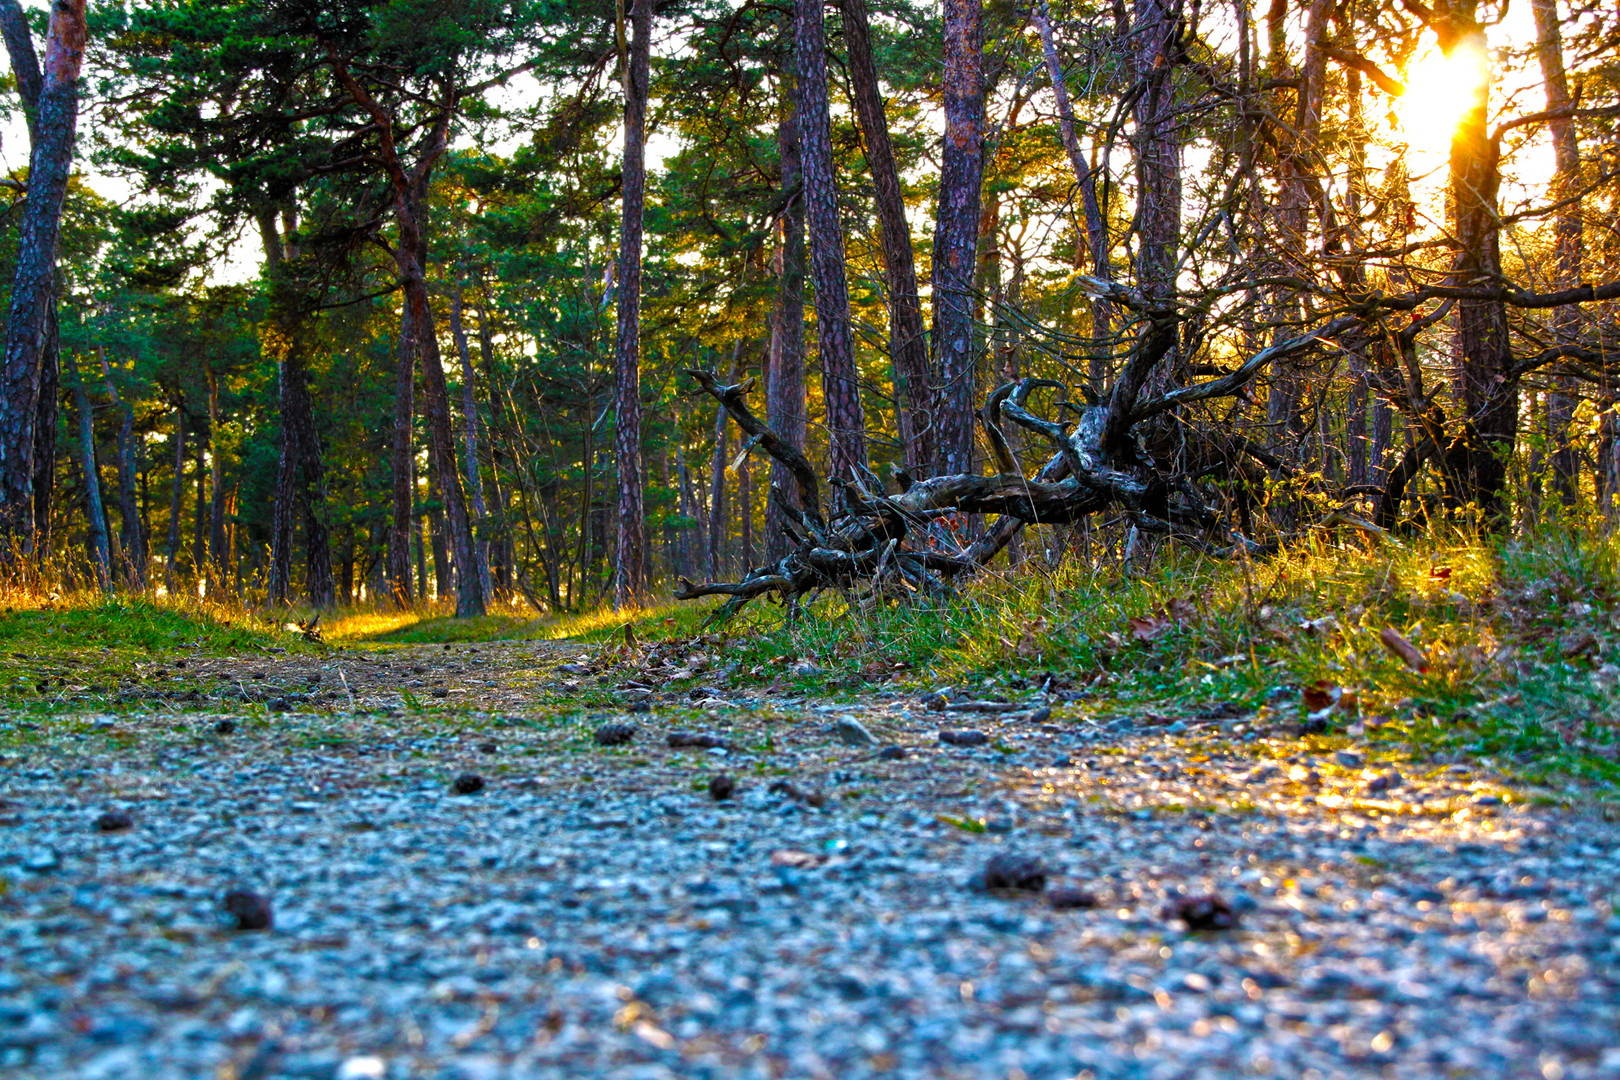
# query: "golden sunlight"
{"type": "Point", "coordinates": [1439, 91]}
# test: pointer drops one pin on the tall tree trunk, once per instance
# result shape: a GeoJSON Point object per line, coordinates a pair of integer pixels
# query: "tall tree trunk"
{"type": "Point", "coordinates": [1284, 403]}
{"type": "Point", "coordinates": [33, 291]}
{"type": "Point", "coordinates": [1568, 238]}
{"type": "Point", "coordinates": [25, 69]}
{"type": "Point", "coordinates": [1158, 216]}
{"type": "Point", "coordinates": [410, 258]}
{"type": "Point", "coordinates": [718, 523]}
{"type": "Point", "coordinates": [469, 432]}
{"type": "Point", "coordinates": [501, 548]}
{"type": "Point", "coordinates": [630, 554]}
{"type": "Point", "coordinates": [436, 412]}
{"type": "Point", "coordinates": [785, 397]}
{"type": "Point", "coordinates": [217, 555]}
{"type": "Point", "coordinates": [745, 512]}
{"type": "Point", "coordinates": [401, 473]}
{"type": "Point", "coordinates": [95, 516]}
{"type": "Point", "coordinates": [199, 520]}
{"type": "Point", "coordinates": [1158, 149]}
{"type": "Point", "coordinates": [45, 431]}
{"type": "Point", "coordinates": [956, 233]}
{"type": "Point", "coordinates": [1490, 393]}
{"type": "Point", "coordinates": [840, 382]}
{"type": "Point", "coordinates": [176, 495]}
{"type": "Point", "coordinates": [908, 343]}
{"type": "Point", "coordinates": [444, 573]}
{"type": "Point", "coordinates": [300, 469]}
{"type": "Point", "coordinates": [1086, 177]}
{"type": "Point", "coordinates": [131, 534]}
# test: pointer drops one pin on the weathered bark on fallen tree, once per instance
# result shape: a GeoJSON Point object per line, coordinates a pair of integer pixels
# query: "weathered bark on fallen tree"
{"type": "Point", "coordinates": [888, 541]}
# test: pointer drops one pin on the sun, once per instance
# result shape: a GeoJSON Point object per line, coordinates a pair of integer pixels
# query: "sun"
{"type": "Point", "coordinates": [1439, 91]}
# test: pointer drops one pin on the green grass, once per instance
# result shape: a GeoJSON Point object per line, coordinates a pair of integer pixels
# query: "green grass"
{"type": "Point", "coordinates": [133, 624]}
{"type": "Point", "coordinates": [1494, 621]}
{"type": "Point", "coordinates": [1521, 642]}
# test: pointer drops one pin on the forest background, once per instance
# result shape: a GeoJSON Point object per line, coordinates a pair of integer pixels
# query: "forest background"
{"type": "Point", "coordinates": [351, 303]}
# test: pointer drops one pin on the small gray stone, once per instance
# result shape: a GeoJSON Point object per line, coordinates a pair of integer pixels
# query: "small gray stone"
{"type": "Point", "coordinates": [851, 732]}
{"type": "Point", "coordinates": [41, 860]}
{"type": "Point", "coordinates": [1387, 780]}
{"type": "Point", "coordinates": [1348, 759]}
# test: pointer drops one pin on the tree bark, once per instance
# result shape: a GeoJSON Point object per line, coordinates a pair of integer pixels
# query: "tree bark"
{"type": "Point", "coordinates": [33, 293]}
{"type": "Point", "coordinates": [300, 469]}
{"type": "Point", "coordinates": [217, 555]}
{"type": "Point", "coordinates": [718, 524]}
{"type": "Point", "coordinates": [25, 69]}
{"type": "Point", "coordinates": [840, 382]}
{"type": "Point", "coordinates": [96, 542]}
{"type": "Point", "coordinates": [630, 553]}
{"type": "Point", "coordinates": [908, 343]}
{"type": "Point", "coordinates": [45, 431]}
{"type": "Point", "coordinates": [1568, 238]}
{"type": "Point", "coordinates": [176, 497]}
{"type": "Point", "coordinates": [1490, 391]}
{"type": "Point", "coordinates": [956, 233]}
{"type": "Point", "coordinates": [785, 404]}
{"type": "Point", "coordinates": [131, 534]}
{"type": "Point", "coordinates": [469, 431]}
{"type": "Point", "coordinates": [500, 541]}
{"type": "Point", "coordinates": [401, 473]}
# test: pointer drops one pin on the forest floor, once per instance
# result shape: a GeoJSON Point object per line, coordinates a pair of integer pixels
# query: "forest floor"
{"type": "Point", "coordinates": [1008, 877]}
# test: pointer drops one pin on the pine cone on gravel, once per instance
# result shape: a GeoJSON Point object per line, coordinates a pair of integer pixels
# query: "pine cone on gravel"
{"type": "Point", "coordinates": [1011, 871]}
{"type": "Point", "coordinates": [468, 784]}
{"type": "Point", "coordinates": [114, 821]}
{"type": "Point", "coordinates": [1204, 912]}
{"type": "Point", "coordinates": [721, 787]}
{"type": "Point", "coordinates": [252, 911]}
{"type": "Point", "coordinates": [614, 734]}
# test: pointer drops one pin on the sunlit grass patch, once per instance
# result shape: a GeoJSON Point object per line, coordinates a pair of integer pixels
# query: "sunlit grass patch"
{"type": "Point", "coordinates": [1514, 647]}
{"type": "Point", "coordinates": [103, 622]}
{"type": "Point", "coordinates": [433, 625]}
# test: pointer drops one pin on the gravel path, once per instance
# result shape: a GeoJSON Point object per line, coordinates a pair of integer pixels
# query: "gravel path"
{"type": "Point", "coordinates": [594, 912]}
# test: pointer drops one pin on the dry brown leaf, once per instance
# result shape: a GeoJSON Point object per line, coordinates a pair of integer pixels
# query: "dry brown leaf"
{"type": "Point", "coordinates": [1321, 695]}
{"type": "Point", "coordinates": [1147, 628]}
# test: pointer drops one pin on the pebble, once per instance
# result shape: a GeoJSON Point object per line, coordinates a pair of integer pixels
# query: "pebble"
{"type": "Point", "coordinates": [851, 732]}
{"type": "Point", "coordinates": [967, 737]}
{"type": "Point", "coordinates": [1388, 780]}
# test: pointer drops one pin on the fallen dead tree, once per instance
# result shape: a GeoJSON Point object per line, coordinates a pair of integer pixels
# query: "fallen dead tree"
{"type": "Point", "coordinates": [888, 540]}
{"type": "Point", "coordinates": [1131, 455]}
